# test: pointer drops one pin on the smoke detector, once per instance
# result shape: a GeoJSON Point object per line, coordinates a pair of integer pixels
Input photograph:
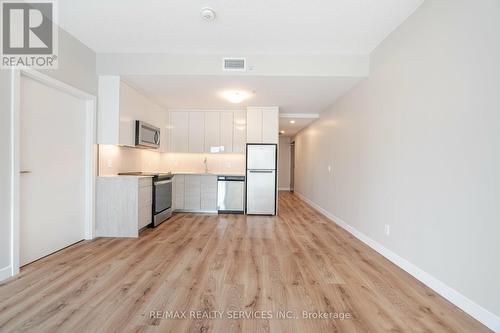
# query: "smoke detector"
{"type": "Point", "coordinates": [207, 13]}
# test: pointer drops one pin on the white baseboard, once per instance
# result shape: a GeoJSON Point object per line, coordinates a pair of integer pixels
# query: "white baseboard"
{"type": "Point", "coordinates": [5, 273]}
{"type": "Point", "coordinates": [283, 189]}
{"type": "Point", "coordinates": [476, 311]}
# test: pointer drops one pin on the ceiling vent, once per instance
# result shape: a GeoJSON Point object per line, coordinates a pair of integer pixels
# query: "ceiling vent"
{"type": "Point", "coordinates": [234, 64]}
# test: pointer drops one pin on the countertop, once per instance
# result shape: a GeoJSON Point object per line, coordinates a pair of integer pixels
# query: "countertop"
{"type": "Point", "coordinates": [184, 173]}
{"type": "Point", "coordinates": [210, 173]}
{"type": "Point", "coordinates": [136, 176]}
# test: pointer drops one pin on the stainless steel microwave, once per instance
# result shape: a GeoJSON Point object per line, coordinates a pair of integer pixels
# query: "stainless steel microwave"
{"type": "Point", "coordinates": [146, 135]}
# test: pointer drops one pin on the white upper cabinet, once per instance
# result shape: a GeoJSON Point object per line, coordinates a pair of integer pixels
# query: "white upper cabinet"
{"type": "Point", "coordinates": [254, 125]}
{"type": "Point", "coordinates": [179, 123]}
{"type": "Point", "coordinates": [239, 132]}
{"type": "Point", "coordinates": [206, 132]}
{"type": "Point", "coordinates": [108, 110]}
{"type": "Point", "coordinates": [262, 125]}
{"type": "Point", "coordinates": [166, 134]}
{"type": "Point", "coordinates": [226, 132]}
{"type": "Point", "coordinates": [270, 125]}
{"type": "Point", "coordinates": [212, 132]}
{"type": "Point", "coordinates": [196, 132]}
{"type": "Point", "coordinates": [119, 106]}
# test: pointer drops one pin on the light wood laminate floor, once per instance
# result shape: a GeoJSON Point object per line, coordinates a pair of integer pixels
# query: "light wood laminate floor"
{"type": "Point", "coordinates": [298, 261]}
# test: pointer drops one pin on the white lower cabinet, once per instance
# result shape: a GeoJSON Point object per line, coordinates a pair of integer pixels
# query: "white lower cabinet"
{"type": "Point", "coordinates": [178, 192]}
{"type": "Point", "coordinates": [208, 200]}
{"type": "Point", "coordinates": [195, 193]}
{"type": "Point", "coordinates": [123, 205]}
{"type": "Point", "coordinates": [192, 192]}
{"type": "Point", "coordinates": [145, 202]}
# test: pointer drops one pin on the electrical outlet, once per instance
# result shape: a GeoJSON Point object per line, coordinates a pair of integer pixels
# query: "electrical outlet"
{"type": "Point", "coordinates": [329, 169]}
{"type": "Point", "coordinates": [110, 163]}
{"type": "Point", "coordinates": [387, 229]}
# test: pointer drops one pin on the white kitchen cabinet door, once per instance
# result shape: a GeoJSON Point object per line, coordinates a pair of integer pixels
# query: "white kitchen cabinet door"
{"type": "Point", "coordinates": [254, 125]}
{"type": "Point", "coordinates": [166, 133]}
{"type": "Point", "coordinates": [193, 192]}
{"type": "Point", "coordinates": [145, 201]}
{"type": "Point", "coordinates": [108, 106]}
{"type": "Point", "coordinates": [179, 122]}
{"type": "Point", "coordinates": [212, 132]}
{"type": "Point", "coordinates": [119, 107]}
{"type": "Point", "coordinates": [239, 132]}
{"type": "Point", "coordinates": [208, 200]}
{"type": "Point", "coordinates": [226, 132]}
{"type": "Point", "coordinates": [196, 132]}
{"type": "Point", "coordinates": [270, 125]}
{"type": "Point", "coordinates": [179, 192]}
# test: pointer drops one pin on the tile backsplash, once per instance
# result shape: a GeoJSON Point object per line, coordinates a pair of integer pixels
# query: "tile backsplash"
{"type": "Point", "coordinates": [115, 159]}
{"type": "Point", "coordinates": [217, 163]}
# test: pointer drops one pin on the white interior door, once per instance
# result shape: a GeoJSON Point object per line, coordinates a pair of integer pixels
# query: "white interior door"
{"type": "Point", "coordinates": [52, 162]}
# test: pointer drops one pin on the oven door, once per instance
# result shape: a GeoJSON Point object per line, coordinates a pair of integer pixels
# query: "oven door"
{"type": "Point", "coordinates": [162, 195]}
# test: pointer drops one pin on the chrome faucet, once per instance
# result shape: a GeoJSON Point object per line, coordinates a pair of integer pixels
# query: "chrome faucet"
{"type": "Point", "coordinates": [206, 164]}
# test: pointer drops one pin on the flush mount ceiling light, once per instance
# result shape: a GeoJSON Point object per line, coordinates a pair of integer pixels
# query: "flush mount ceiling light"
{"type": "Point", "coordinates": [235, 97]}
{"type": "Point", "coordinates": [292, 121]}
{"type": "Point", "coordinates": [207, 13]}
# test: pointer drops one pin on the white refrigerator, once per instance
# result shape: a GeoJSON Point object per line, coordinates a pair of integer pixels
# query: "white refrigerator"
{"type": "Point", "coordinates": [261, 178]}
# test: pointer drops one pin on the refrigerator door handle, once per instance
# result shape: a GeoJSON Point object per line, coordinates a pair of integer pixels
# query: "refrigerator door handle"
{"type": "Point", "coordinates": [261, 171]}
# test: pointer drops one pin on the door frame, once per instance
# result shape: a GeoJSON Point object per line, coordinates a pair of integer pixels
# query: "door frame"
{"type": "Point", "coordinates": [90, 154]}
{"type": "Point", "coordinates": [292, 166]}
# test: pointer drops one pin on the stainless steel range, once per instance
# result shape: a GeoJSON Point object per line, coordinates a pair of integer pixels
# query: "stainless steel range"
{"type": "Point", "coordinates": [162, 195]}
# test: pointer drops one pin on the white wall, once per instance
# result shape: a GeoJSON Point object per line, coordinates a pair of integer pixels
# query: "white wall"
{"type": "Point", "coordinates": [417, 146]}
{"type": "Point", "coordinates": [284, 163]}
{"type": "Point", "coordinates": [77, 67]}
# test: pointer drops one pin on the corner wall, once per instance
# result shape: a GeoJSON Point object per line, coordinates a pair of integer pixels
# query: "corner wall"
{"type": "Point", "coordinates": [77, 67]}
{"type": "Point", "coordinates": [417, 146]}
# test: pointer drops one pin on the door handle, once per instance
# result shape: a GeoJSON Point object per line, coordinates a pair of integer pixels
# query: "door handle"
{"type": "Point", "coordinates": [163, 182]}
{"type": "Point", "coordinates": [24, 171]}
{"type": "Point", "coordinates": [261, 171]}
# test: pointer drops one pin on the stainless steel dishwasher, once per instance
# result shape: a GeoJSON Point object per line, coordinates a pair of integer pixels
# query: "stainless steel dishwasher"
{"type": "Point", "coordinates": [231, 194]}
